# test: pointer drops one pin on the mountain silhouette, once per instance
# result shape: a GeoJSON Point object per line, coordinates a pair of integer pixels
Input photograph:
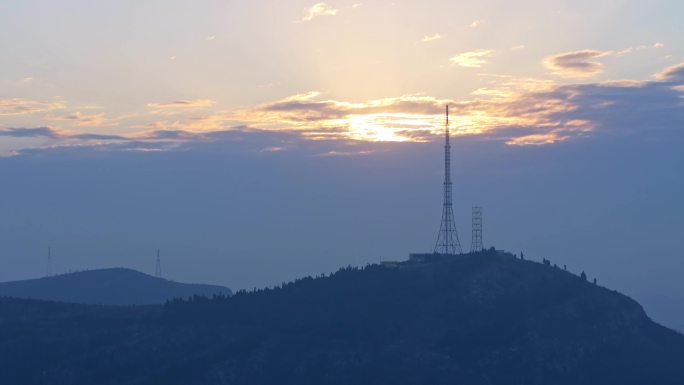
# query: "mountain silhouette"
{"type": "Point", "coordinates": [485, 318]}
{"type": "Point", "coordinates": [116, 286]}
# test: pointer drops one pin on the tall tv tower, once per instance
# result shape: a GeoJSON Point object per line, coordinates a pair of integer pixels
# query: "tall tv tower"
{"type": "Point", "coordinates": [476, 244]}
{"type": "Point", "coordinates": [48, 272]}
{"type": "Point", "coordinates": [447, 240]}
{"type": "Point", "coordinates": [157, 267]}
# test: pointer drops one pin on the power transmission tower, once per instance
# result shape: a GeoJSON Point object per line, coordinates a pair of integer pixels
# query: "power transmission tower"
{"type": "Point", "coordinates": [476, 244]}
{"type": "Point", "coordinates": [447, 240]}
{"type": "Point", "coordinates": [157, 268]}
{"type": "Point", "coordinates": [48, 272]}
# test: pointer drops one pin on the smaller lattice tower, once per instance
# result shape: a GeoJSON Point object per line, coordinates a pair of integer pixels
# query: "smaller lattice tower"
{"type": "Point", "coordinates": [157, 267]}
{"type": "Point", "coordinates": [476, 244]}
{"type": "Point", "coordinates": [48, 270]}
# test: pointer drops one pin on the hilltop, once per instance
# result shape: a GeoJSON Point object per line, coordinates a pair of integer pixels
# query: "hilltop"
{"type": "Point", "coordinates": [484, 318]}
{"type": "Point", "coordinates": [117, 286]}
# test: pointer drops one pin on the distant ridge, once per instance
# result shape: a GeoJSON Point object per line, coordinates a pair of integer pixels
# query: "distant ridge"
{"type": "Point", "coordinates": [116, 286]}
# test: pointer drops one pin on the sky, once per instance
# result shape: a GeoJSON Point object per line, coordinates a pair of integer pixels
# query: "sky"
{"type": "Point", "coordinates": [258, 141]}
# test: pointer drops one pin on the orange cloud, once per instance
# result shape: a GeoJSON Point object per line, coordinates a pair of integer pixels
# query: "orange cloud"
{"type": "Point", "coordinates": [319, 9]}
{"type": "Point", "coordinates": [179, 105]}
{"type": "Point", "coordinates": [472, 59]}
{"type": "Point", "coordinates": [18, 106]}
{"type": "Point", "coordinates": [412, 117]}
{"type": "Point", "coordinates": [576, 64]}
{"type": "Point", "coordinates": [80, 119]}
{"type": "Point", "coordinates": [476, 23]}
{"type": "Point", "coordinates": [434, 37]}
{"type": "Point", "coordinates": [515, 111]}
{"type": "Point", "coordinates": [536, 139]}
{"type": "Point", "coordinates": [673, 73]}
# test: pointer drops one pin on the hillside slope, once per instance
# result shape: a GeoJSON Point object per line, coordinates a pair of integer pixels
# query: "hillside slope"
{"type": "Point", "coordinates": [116, 286]}
{"type": "Point", "coordinates": [476, 319]}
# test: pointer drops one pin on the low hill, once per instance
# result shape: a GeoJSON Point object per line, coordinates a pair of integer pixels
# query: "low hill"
{"type": "Point", "coordinates": [116, 286]}
{"type": "Point", "coordinates": [485, 319]}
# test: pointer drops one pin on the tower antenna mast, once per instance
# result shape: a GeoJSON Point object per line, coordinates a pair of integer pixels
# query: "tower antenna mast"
{"type": "Point", "coordinates": [48, 272]}
{"type": "Point", "coordinates": [157, 267]}
{"type": "Point", "coordinates": [447, 239]}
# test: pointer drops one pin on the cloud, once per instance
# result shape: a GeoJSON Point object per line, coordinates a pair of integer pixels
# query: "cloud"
{"type": "Point", "coordinates": [273, 149]}
{"type": "Point", "coordinates": [623, 108]}
{"type": "Point", "coordinates": [346, 153]}
{"type": "Point", "coordinates": [319, 9]}
{"type": "Point", "coordinates": [476, 23]}
{"type": "Point", "coordinates": [179, 105]}
{"type": "Point", "coordinates": [576, 64]}
{"type": "Point", "coordinates": [52, 133]}
{"type": "Point", "coordinates": [580, 64]}
{"type": "Point", "coordinates": [97, 137]}
{"type": "Point", "coordinates": [472, 59]}
{"type": "Point", "coordinates": [356, 5]}
{"type": "Point", "coordinates": [18, 106]}
{"type": "Point", "coordinates": [40, 132]}
{"type": "Point", "coordinates": [193, 123]}
{"type": "Point", "coordinates": [168, 134]}
{"type": "Point", "coordinates": [630, 50]}
{"type": "Point", "coordinates": [42, 139]}
{"type": "Point", "coordinates": [405, 118]}
{"type": "Point", "coordinates": [80, 119]}
{"type": "Point", "coordinates": [673, 73]}
{"type": "Point", "coordinates": [536, 139]}
{"type": "Point", "coordinates": [515, 111]}
{"type": "Point", "coordinates": [434, 37]}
